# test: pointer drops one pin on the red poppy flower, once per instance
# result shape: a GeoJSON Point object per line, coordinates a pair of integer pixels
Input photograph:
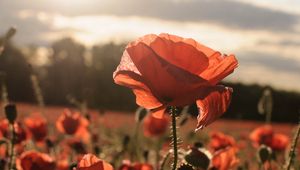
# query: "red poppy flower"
{"type": "Point", "coordinates": [136, 166]}
{"type": "Point", "coordinates": [218, 141]}
{"type": "Point", "coordinates": [167, 70]}
{"type": "Point", "coordinates": [37, 127]}
{"type": "Point", "coordinates": [62, 165]}
{"type": "Point", "coordinates": [91, 162]}
{"type": "Point", "coordinates": [32, 160]}
{"type": "Point", "coordinates": [265, 135]}
{"type": "Point", "coordinates": [72, 124]}
{"type": "Point", "coordinates": [154, 126]}
{"type": "Point", "coordinates": [225, 159]}
{"type": "Point", "coordinates": [19, 131]}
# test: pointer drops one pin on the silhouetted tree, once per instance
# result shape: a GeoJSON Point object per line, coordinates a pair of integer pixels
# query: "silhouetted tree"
{"type": "Point", "coordinates": [16, 73]}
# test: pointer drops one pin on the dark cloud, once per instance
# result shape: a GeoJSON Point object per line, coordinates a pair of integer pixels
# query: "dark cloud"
{"type": "Point", "coordinates": [277, 63]}
{"type": "Point", "coordinates": [227, 13]}
{"type": "Point", "coordinates": [284, 42]}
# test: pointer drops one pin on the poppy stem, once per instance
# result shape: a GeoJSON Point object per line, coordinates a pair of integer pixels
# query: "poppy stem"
{"type": "Point", "coordinates": [164, 161]}
{"type": "Point", "coordinates": [12, 145]}
{"type": "Point", "coordinates": [38, 92]}
{"type": "Point", "coordinates": [174, 137]}
{"type": "Point", "coordinates": [293, 148]}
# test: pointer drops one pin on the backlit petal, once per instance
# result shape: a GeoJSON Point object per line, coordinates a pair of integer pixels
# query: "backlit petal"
{"type": "Point", "coordinates": [170, 84]}
{"type": "Point", "coordinates": [213, 106]}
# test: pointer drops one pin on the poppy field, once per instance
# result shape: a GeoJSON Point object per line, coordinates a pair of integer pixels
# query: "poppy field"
{"type": "Point", "coordinates": [112, 137]}
{"type": "Point", "coordinates": [166, 73]}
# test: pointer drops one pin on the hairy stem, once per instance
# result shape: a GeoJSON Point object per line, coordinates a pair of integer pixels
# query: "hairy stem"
{"type": "Point", "coordinates": [293, 148]}
{"type": "Point", "coordinates": [174, 137]}
{"type": "Point", "coordinates": [12, 145]}
{"type": "Point", "coordinates": [162, 165]}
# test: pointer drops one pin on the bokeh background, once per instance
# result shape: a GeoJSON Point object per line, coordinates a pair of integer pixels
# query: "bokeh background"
{"type": "Point", "coordinates": [72, 47]}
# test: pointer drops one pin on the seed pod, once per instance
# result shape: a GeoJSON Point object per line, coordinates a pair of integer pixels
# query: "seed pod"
{"type": "Point", "coordinates": [264, 153]}
{"type": "Point", "coordinates": [140, 114]}
{"type": "Point", "coordinates": [265, 104]}
{"type": "Point", "coordinates": [11, 113]}
{"type": "Point", "coordinates": [199, 158]}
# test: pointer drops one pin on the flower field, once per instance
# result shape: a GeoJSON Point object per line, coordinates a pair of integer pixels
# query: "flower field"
{"type": "Point", "coordinates": [111, 129]}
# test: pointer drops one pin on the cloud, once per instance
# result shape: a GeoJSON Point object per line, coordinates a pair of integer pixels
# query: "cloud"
{"type": "Point", "coordinates": [228, 13]}
{"type": "Point", "coordinates": [258, 74]}
{"type": "Point", "coordinates": [274, 62]}
{"type": "Point", "coordinates": [267, 69]}
{"type": "Point", "coordinates": [224, 12]}
{"type": "Point", "coordinates": [283, 42]}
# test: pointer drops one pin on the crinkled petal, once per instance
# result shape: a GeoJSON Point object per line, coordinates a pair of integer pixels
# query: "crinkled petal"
{"type": "Point", "coordinates": [158, 112]}
{"type": "Point", "coordinates": [213, 106]}
{"type": "Point", "coordinates": [144, 96]}
{"type": "Point", "coordinates": [280, 142]}
{"type": "Point", "coordinates": [200, 47]}
{"type": "Point", "coordinates": [219, 67]}
{"type": "Point", "coordinates": [177, 53]}
{"type": "Point", "coordinates": [170, 84]}
{"type": "Point", "coordinates": [91, 162]}
{"type": "Point", "coordinates": [128, 75]}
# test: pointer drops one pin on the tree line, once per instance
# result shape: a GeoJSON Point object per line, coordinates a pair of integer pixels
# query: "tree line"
{"type": "Point", "coordinates": [74, 73]}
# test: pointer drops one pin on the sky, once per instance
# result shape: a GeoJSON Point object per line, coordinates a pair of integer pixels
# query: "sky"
{"type": "Point", "coordinates": [263, 34]}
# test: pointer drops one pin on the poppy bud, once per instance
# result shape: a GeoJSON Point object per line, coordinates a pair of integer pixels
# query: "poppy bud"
{"type": "Point", "coordinates": [126, 140]}
{"type": "Point", "coordinates": [97, 150]}
{"type": "Point", "coordinates": [49, 143]}
{"type": "Point", "coordinates": [2, 163]}
{"type": "Point", "coordinates": [72, 166]}
{"type": "Point", "coordinates": [198, 145]}
{"type": "Point", "coordinates": [199, 158]}
{"type": "Point", "coordinates": [146, 155]}
{"type": "Point", "coordinates": [11, 113]}
{"type": "Point", "coordinates": [140, 114]}
{"type": "Point", "coordinates": [264, 153]}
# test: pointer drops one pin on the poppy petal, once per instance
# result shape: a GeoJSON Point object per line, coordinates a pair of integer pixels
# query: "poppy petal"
{"type": "Point", "coordinates": [177, 53]}
{"type": "Point", "coordinates": [213, 106]}
{"type": "Point", "coordinates": [91, 162]}
{"type": "Point", "coordinates": [204, 49]}
{"type": "Point", "coordinates": [128, 75]}
{"type": "Point", "coordinates": [175, 86]}
{"type": "Point", "coordinates": [159, 112]}
{"type": "Point", "coordinates": [143, 94]}
{"type": "Point", "coordinates": [219, 67]}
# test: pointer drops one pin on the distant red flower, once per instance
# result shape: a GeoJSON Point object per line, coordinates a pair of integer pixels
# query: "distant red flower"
{"type": "Point", "coordinates": [265, 135]}
{"type": "Point", "coordinates": [62, 165]}
{"type": "Point", "coordinates": [136, 166]}
{"type": "Point", "coordinates": [218, 141]}
{"type": "Point", "coordinates": [72, 124]}
{"type": "Point", "coordinates": [167, 70]}
{"type": "Point", "coordinates": [37, 127]}
{"type": "Point", "coordinates": [154, 126]}
{"type": "Point", "coordinates": [225, 159]}
{"type": "Point", "coordinates": [91, 162]}
{"type": "Point", "coordinates": [32, 160]}
{"type": "Point", "coordinates": [20, 133]}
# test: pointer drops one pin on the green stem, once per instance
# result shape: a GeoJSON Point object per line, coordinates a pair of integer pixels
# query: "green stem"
{"type": "Point", "coordinates": [174, 138]}
{"type": "Point", "coordinates": [11, 152]}
{"type": "Point", "coordinates": [268, 117]}
{"type": "Point", "coordinates": [293, 148]}
{"type": "Point", "coordinates": [164, 161]}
